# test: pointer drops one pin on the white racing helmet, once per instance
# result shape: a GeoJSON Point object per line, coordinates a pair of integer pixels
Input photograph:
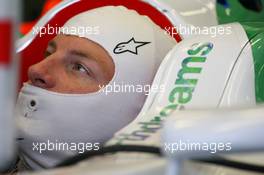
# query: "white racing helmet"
{"type": "Point", "coordinates": [190, 18]}
{"type": "Point", "coordinates": [199, 13]}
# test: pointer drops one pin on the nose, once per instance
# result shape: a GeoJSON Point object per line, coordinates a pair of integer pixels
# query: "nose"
{"type": "Point", "coordinates": [39, 75]}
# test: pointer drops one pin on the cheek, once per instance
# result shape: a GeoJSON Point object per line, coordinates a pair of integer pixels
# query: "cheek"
{"type": "Point", "coordinates": [68, 82]}
{"type": "Point", "coordinates": [79, 85]}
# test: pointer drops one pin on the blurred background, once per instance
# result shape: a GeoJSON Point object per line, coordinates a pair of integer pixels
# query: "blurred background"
{"type": "Point", "coordinates": [32, 11]}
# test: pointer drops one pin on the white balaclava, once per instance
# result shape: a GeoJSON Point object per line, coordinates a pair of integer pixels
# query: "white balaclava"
{"type": "Point", "coordinates": [53, 126]}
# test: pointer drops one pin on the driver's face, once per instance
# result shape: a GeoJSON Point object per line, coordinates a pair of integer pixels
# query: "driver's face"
{"type": "Point", "coordinates": [72, 65]}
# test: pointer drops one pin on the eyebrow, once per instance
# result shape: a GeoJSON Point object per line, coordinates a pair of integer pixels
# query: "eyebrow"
{"type": "Point", "coordinates": [73, 52]}
{"type": "Point", "coordinates": [78, 53]}
{"type": "Point", "coordinates": [82, 54]}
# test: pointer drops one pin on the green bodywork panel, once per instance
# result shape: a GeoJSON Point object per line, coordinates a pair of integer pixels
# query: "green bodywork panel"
{"type": "Point", "coordinates": [257, 45]}
{"type": "Point", "coordinates": [255, 33]}
{"type": "Point", "coordinates": [235, 12]}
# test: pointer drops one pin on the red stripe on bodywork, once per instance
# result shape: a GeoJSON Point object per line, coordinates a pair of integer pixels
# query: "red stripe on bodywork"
{"type": "Point", "coordinates": [5, 42]}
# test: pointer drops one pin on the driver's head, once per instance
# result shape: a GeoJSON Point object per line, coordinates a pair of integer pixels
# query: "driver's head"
{"type": "Point", "coordinates": [62, 101]}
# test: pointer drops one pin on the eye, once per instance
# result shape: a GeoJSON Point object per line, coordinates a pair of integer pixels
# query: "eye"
{"type": "Point", "coordinates": [81, 68]}
{"type": "Point", "coordinates": [46, 54]}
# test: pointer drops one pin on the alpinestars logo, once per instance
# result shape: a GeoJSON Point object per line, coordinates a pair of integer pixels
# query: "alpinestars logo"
{"type": "Point", "coordinates": [131, 46]}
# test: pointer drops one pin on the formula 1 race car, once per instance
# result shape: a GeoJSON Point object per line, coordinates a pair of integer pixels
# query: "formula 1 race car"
{"type": "Point", "coordinates": [214, 87]}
